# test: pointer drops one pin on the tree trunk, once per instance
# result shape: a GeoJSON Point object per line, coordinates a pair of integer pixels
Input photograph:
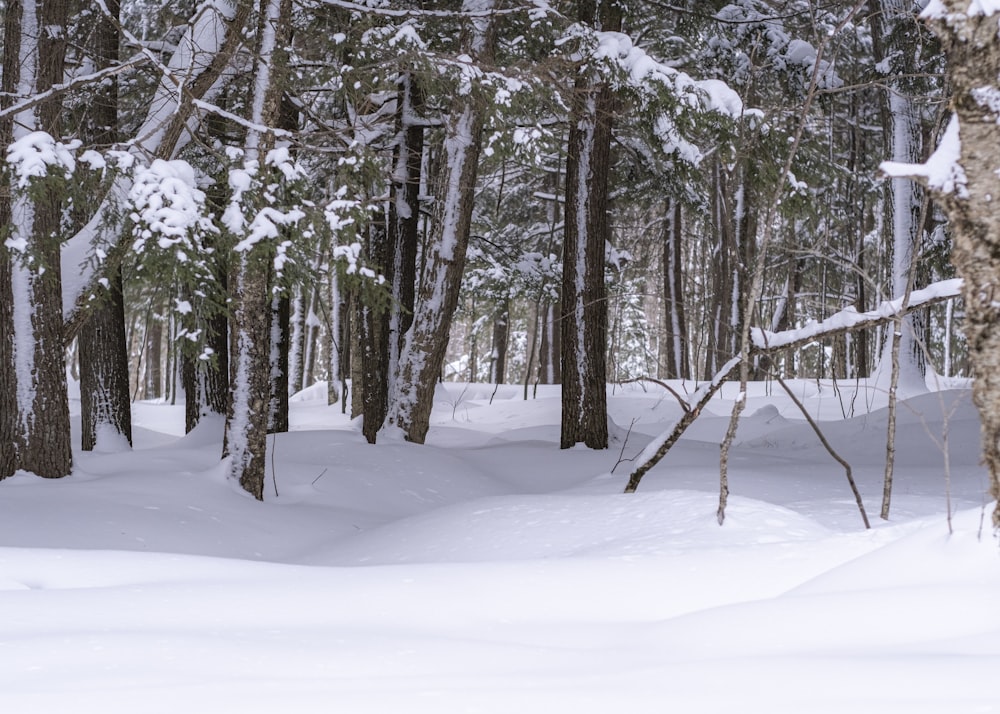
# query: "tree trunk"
{"type": "Point", "coordinates": [584, 295]}
{"type": "Point", "coordinates": [423, 353]}
{"type": "Point", "coordinates": [105, 405]}
{"type": "Point", "coordinates": [206, 382]}
{"type": "Point", "coordinates": [277, 420]}
{"type": "Point", "coordinates": [154, 355]}
{"type": "Point", "coordinates": [246, 423]}
{"type": "Point", "coordinates": [33, 62]}
{"type": "Point", "coordinates": [893, 29]}
{"type": "Point", "coordinates": [404, 222]}
{"type": "Point", "coordinates": [501, 335]}
{"type": "Point", "coordinates": [103, 355]}
{"type": "Point", "coordinates": [973, 56]}
{"type": "Point", "coordinates": [677, 364]}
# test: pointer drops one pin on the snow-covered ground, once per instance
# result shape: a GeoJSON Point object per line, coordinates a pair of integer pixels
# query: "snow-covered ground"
{"type": "Point", "coordinates": [488, 571]}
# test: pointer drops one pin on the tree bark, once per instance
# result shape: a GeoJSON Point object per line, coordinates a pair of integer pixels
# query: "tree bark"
{"type": "Point", "coordinates": [584, 295]}
{"type": "Point", "coordinates": [246, 423]}
{"type": "Point", "coordinates": [501, 336]}
{"type": "Point", "coordinates": [154, 355]}
{"type": "Point", "coordinates": [676, 335]}
{"type": "Point", "coordinates": [972, 49]}
{"type": "Point", "coordinates": [104, 389]}
{"type": "Point", "coordinates": [280, 342]}
{"type": "Point", "coordinates": [34, 52]}
{"type": "Point", "coordinates": [436, 297]}
{"type": "Point", "coordinates": [893, 30]}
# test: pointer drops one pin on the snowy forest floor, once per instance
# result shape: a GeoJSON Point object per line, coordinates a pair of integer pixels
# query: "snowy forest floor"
{"type": "Point", "coordinates": [490, 572]}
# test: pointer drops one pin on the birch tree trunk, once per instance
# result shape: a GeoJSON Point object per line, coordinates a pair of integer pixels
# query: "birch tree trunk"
{"type": "Point", "coordinates": [423, 351]}
{"type": "Point", "coordinates": [34, 51]}
{"type": "Point", "coordinates": [893, 28]}
{"type": "Point", "coordinates": [972, 48]}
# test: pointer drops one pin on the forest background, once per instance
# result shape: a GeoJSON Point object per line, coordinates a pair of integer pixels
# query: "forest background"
{"type": "Point", "coordinates": [225, 202]}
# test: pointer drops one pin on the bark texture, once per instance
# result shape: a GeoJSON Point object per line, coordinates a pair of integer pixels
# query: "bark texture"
{"type": "Point", "coordinates": [676, 335]}
{"type": "Point", "coordinates": [436, 297]}
{"type": "Point", "coordinates": [584, 295]}
{"type": "Point", "coordinates": [973, 52]}
{"type": "Point", "coordinates": [105, 402]}
{"type": "Point", "coordinates": [34, 52]}
{"type": "Point", "coordinates": [246, 423]}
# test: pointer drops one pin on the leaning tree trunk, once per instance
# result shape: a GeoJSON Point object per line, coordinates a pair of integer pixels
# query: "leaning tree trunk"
{"type": "Point", "coordinates": [972, 48]}
{"type": "Point", "coordinates": [423, 352]}
{"type": "Point", "coordinates": [33, 62]}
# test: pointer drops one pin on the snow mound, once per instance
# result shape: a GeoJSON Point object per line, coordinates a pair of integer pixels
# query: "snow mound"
{"type": "Point", "coordinates": [559, 526]}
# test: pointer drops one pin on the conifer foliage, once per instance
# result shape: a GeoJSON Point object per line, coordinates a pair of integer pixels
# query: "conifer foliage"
{"type": "Point", "coordinates": [223, 202]}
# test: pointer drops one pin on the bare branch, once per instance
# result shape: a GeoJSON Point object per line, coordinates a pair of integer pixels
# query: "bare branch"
{"type": "Point", "coordinates": [830, 450]}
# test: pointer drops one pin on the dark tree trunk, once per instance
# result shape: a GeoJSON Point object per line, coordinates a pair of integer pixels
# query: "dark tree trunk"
{"type": "Point", "coordinates": [677, 364]}
{"type": "Point", "coordinates": [281, 310]}
{"type": "Point", "coordinates": [584, 296]}
{"type": "Point", "coordinates": [206, 382]}
{"type": "Point", "coordinates": [436, 298]}
{"type": "Point", "coordinates": [404, 220]}
{"type": "Point", "coordinates": [501, 335]}
{"type": "Point", "coordinates": [104, 384]}
{"type": "Point", "coordinates": [104, 389]}
{"type": "Point", "coordinates": [548, 345]}
{"type": "Point", "coordinates": [246, 422]}
{"type": "Point", "coordinates": [42, 428]}
{"type": "Point", "coordinates": [154, 355]}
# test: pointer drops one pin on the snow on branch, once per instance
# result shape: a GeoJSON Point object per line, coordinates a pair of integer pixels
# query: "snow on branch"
{"type": "Point", "coordinates": [37, 153]}
{"type": "Point", "coordinates": [74, 83]}
{"type": "Point", "coordinates": [535, 7]}
{"type": "Point", "coordinates": [642, 69]}
{"type": "Point", "coordinates": [942, 171]}
{"type": "Point", "coordinates": [850, 320]}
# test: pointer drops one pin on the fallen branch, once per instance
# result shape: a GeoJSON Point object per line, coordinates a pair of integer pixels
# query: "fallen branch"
{"type": "Point", "coordinates": [765, 343]}
{"type": "Point", "coordinates": [659, 447]}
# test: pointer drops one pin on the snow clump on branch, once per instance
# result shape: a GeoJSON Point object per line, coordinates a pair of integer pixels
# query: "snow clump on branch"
{"type": "Point", "coordinates": [35, 153]}
{"type": "Point", "coordinates": [169, 207]}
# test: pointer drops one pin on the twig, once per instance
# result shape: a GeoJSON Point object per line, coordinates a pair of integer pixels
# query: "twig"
{"type": "Point", "coordinates": [826, 445]}
{"type": "Point", "coordinates": [621, 454]}
{"type": "Point", "coordinates": [274, 472]}
{"type": "Point", "coordinates": [680, 400]}
{"type": "Point", "coordinates": [321, 473]}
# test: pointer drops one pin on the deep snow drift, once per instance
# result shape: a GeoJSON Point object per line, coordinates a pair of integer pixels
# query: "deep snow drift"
{"type": "Point", "coordinates": [491, 572]}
